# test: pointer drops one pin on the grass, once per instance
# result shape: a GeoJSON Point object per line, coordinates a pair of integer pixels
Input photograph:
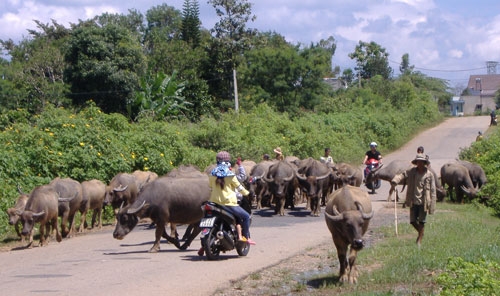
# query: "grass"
{"type": "Point", "coordinates": [396, 266]}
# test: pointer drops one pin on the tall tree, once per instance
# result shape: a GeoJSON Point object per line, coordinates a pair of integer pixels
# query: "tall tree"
{"type": "Point", "coordinates": [164, 23]}
{"type": "Point", "coordinates": [371, 59]}
{"type": "Point", "coordinates": [232, 38]}
{"type": "Point", "coordinates": [191, 23]}
{"type": "Point", "coordinates": [286, 77]}
{"type": "Point", "coordinates": [39, 64]}
{"type": "Point", "coordinates": [405, 67]}
{"type": "Point", "coordinates": [104, 64]}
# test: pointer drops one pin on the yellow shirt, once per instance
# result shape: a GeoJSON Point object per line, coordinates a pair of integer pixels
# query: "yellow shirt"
{"type": "Point", "coordinates": [226, 196]}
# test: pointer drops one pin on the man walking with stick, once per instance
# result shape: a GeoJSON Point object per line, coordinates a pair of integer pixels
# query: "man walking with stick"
{"type": "Point", "coordinates": [420, 194]}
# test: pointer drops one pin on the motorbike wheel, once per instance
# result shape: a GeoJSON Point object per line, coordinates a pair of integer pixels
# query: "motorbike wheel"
{"type": "Point", "coordinates": [377, 184]}
{"type": "Point", "coordinates": [242, 248]}
{"type": "Point", "coordinates": [212, 250]}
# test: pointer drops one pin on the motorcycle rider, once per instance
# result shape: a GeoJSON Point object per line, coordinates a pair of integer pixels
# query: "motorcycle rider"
{"type": "Point", "coordinates": [224, 185]}
{"type": "Point", "coordinates": [373, 153]}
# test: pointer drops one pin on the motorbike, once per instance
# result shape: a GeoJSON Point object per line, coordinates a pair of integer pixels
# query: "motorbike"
{"type": "Point", "coordinates": [218, 232]}
{"type": "Point", "coordinates": [372, 164]}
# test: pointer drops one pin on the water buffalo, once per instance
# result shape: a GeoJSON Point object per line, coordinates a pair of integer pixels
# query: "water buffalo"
{"type": "Point", "coordinates": [347, 174]}
{"type": "Point", "coordinates": [387, 173]}
{"type": "Point", "coordinates": [457, 176]}
{"type": "Point", "coordinates": [186, 171]}
{"type": "Point", "coordinates": [314, 178]}
{"type": "Point", "coordinates": [41, 207]}
{"type": "Point", "coordinates": [257, 186]}
{"type": "Point", "coordinates": [122, 189]}
{"type": "Point", "coordinates": [282, 184]}
{"type": "Point", "coordinates": [70, 201]}
{"type": "Point", "coordinates": [14, 214]}
{"type": "Point", "coordinates": [476, 173]}
{"type": "Point", "coordinates": [93, 192]}
{"type": "Point", "coordinates": [166, 200]}
{"type": "Point", "coordinates": [347, 215]}
{"type": "Point", "coordinates": [143, 177]}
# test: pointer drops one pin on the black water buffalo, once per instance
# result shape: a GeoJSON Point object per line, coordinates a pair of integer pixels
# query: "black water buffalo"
{"type": "Point", "coordinates": [257, 186]}
{"type": "Point", "coordinates": [166, 200]}
{"type": "Point", "coordinates": [282, 183]}
{"type": "Point", "coordinates": [93, 192]}
{"type": "Point", "coordinates": [346, 174]}
{"type": "Point", "coordinates": [347, 215]}
{"type": "Point", "coordinates": [315, 179]}
{"type": "Point", "coordinates": [14, 214]}
{"type": "Point", "coordinates": [121, 190]}
{"type": "Point", "coordinates": [41, 207]}
{"type": "Point", "coordinates": [476, 173]}
{"type": "Point", "coordinates": [457, 176]}
{"type": "Point", "coordinates": [70, 202]}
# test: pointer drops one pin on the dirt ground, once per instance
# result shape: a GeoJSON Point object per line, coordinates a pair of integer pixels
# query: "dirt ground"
{"type": "Point", "coordinates": [292, 275]}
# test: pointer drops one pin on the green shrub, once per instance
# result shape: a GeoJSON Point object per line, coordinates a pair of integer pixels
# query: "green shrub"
{"type": "Point", "coordinates": [468, 278]}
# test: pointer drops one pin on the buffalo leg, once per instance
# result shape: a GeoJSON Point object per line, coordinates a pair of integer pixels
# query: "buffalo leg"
{"type": "Point", "coordinates": [161, 232]}
{"type": "Point", "coordinates": [64, 224]}
{"type": "Point", "coordinates": [160, 229]}
{"type": "Point", "coordinates": [353, 271]}
{"type": "Point", "coordinates": [343, 265]}
{"type": "Point", "coordinates": [195, 231]}
{"type": "Point", "coordinates": [54, 226]}
{"type": "Point", "coordinates": [42, 235]}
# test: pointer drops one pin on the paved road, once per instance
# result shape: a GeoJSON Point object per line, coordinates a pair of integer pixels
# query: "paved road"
{"type": "Point", "coordinates": [96, 264]}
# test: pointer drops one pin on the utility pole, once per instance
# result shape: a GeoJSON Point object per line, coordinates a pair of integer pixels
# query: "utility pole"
{"type": "Point", "coordinates": [236, 103]}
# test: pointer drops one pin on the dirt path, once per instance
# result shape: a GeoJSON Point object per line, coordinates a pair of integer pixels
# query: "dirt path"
{"type": "Point", "coordinates": [96, 264]}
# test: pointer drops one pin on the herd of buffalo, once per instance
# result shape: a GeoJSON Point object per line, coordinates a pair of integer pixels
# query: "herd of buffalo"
{"type": "Point", "coordinates": [176, 199]}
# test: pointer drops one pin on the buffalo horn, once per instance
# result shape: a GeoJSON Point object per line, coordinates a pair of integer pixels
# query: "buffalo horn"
{"type": "Point", "coordinates": [336, 215]}
{"type": "Point", "coordinates": [301, 177]}
{"type": "Point", "coordinates": [20, 190]}
{"type": "Point", "coordinates": [323, 177]}
{"type": "Point", "coordinates": [19, 212]}
{"type": "Point", "coordinates": [465, 189]}
{"type": "Point", "coordinates": [288, 179]}
{"type": "Point", "coordinates": [133, 211]}
{"type": "Point", "coordinates": [363, 214]}
{"type": "Point", "coordinates": [121, 188]}
{"type": "Point", "coordinates": [38, 214]}
{"type": "Point", "coordinates": [268, 180]}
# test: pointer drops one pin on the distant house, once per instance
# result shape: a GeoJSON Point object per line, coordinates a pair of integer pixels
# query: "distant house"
{"type": "Point", "coordinates": [335, 83]}
{"type": "Point", "coordinates": [481, 95]}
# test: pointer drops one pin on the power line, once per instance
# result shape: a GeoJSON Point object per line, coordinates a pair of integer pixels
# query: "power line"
{"type": "Point", "coordinates": [439, 70]}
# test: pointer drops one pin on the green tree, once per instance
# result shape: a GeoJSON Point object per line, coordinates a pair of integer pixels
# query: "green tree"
{"type": "Point", "coordinates": [232, 38]}
{"type": "Point", "coordinates": [164, 23]}
{"type": "Point", "coordinates": [191, 23]}
{"type": "Point", "coordinates": [371, 59]}
{"type": "Point", "coordinates": [168, 52]}
{"type": "Point", "coordinates": [35, 72]}
{"type": "Point", "coordinates": [285, 77]}
{"type": "Point", "coordinates": [405, 67]}
{"type": "Point", "coordinates": [347, 76]}
{"type": "Point", "coordinates": [105, 63]}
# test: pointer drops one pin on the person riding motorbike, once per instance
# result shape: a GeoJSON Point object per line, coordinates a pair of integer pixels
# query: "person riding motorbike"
{"type": "Point", "coordinates": [373, 159]}
{"type": "Point", "coordinates": [224, 185]}
{"type": "Point", "coordinates": [373, 153]}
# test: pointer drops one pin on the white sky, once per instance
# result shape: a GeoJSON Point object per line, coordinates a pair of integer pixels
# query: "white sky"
{"type": "Point", "coordinates": [449, 39]}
